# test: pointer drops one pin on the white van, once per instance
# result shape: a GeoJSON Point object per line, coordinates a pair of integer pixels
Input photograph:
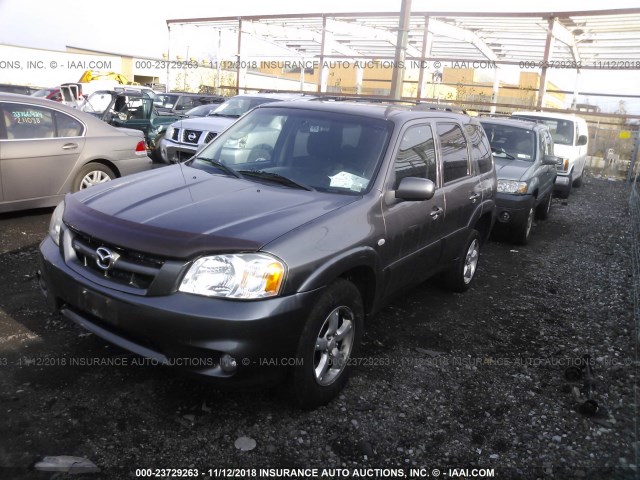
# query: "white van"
{"type": "Point", "coordinates": [570, 137]}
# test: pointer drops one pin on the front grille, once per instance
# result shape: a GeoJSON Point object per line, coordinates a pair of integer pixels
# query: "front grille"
{"type": "Point", "coordinates": [131, 268]}
{"type": "Point", "coordinates": [191, 136]}
{"type": "Point", "coordinates": [210, 136]}
{"type": "Point", "coordinates": [176, 134]}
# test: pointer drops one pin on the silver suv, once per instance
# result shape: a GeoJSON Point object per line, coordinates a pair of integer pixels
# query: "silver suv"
{"type": "Point", "coordinates": [185, 137]}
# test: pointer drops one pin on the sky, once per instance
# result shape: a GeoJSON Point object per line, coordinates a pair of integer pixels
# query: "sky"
{"type": "Point", "coordinates": [139, 28]}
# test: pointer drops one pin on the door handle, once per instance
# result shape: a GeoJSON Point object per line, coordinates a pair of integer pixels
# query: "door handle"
{"type": "Point", "coordinates": [436, 212]}
{"type": "Point", "coordinates": [474, 197]}
{"type": "Point", "coordinates": [70, 146]}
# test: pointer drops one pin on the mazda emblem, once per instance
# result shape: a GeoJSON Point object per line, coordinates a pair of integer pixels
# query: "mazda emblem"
{"type": "Point", "coordinates": [105, 258]}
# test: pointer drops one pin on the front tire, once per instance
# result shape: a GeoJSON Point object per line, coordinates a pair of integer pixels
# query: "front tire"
{"type": "Point", "coordinates": [577, 183]}
{"type": "Point", "coordinates": [92, 174]}
{"type": "Point", "coordinates": [330, 337]}
{"type": "Point", "coordinates": [542, 210]}
{"type": "Point", "coordinates": [522, 232]}
{"type": "Point", "coordinates": [459, 277]}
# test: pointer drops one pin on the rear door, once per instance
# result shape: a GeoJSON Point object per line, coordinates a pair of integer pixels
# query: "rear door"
{"type": "Point", "coordinates": [462, 189]}
{"type": "Point", "coordinates": [41, 148]}
{"type": "Point", "coordinates": [414, 228]}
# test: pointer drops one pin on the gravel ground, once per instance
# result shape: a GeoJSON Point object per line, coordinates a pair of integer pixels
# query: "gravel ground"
{"type": "Point", "coordinates": [444, 381]}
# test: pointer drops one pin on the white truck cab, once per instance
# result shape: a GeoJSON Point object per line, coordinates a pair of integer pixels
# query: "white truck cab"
{"type": "Point", "coordinates": [570, 136]}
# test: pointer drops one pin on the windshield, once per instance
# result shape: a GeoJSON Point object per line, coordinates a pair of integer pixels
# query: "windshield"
{"type": "Point", "coordinates": [98, 102]}
{"type": "Point", "coordinates": [200, 110]}
{"type": "Point", "coordinates": [511, 142]}
{"type": "Point", "coordinates": [308, 149]}
{"type": "Point", "coordinates": [561, 130]}
{"type": "Point", "coordinates": [238, 106]}
{"type": "Point", "coordinates": [165, 101]}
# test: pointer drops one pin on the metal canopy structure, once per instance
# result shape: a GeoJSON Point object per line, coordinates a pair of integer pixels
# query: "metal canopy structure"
{"type": "Point", "coordinates": [603, 39]}
{"type": "Point", "coordinates": [591, 38]}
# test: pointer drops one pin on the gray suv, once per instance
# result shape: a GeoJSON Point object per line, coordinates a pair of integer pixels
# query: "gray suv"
{"type": "Point", "coordinates": [526, 169]}
{"type": "Point", "coordinates": [254, 268]}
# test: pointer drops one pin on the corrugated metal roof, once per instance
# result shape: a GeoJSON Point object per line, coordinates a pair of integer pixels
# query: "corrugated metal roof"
{"type": "Point", "coordinates": [598, 40]}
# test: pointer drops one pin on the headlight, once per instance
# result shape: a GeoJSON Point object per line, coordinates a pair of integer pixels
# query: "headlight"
{"type": "Point", "coordinates": [512, 186]}
{"type": "Point", "coordinates": [242, 276]}
{"type": "Point", "coordinates": [169, 133]}
{"type": "Point", "coordinates": [55, 225]}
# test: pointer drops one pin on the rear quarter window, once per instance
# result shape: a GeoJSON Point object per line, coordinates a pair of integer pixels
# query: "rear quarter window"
{"type": "Point", "coordinates": [480, 148]}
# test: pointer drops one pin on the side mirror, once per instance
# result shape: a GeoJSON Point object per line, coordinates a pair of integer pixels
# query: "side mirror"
{"type": "Point", "coordinates": [582, 140]}
{"type": "Point", "coordinates": [551, 160]}
{"type": "Point", "coordinates": [416, 189]}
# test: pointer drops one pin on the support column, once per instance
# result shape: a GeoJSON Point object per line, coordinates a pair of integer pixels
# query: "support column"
{"type": "Point", "coordinates": [496, 89]}
{"type": "Point", "coordinates": [576, 90]}
{"type": "Point", "coordinates": [238, 56]}
{"type": "Point", "coordinates": [427, 42]}
{"type": "Point", "coordinates": [323, 73]}
{"type": "Point", "coordinates": [166, 86]}
{"type": "Point", "coordinates": [218, 63]}
{"type": "Point", "coordinates": [548, 46]}
{"type": "Point", "coordinates": [359, 76]}
{"type": "Point", "coordinates": [401, 50]}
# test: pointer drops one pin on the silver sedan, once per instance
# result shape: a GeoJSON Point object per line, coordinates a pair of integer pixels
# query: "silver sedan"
{"type": "Point", "coordinates": [48, 149]}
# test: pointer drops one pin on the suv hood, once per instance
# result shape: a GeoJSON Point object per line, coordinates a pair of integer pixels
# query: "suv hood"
{"type": "Point", "coordinates": [210, 124]}
{"type": "Point", "coordinates": [180, 211]}
{"type": "Point", "coordinates": [512, 169]}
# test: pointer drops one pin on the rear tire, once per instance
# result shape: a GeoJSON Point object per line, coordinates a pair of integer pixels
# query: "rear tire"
{"type": "Point", "coordinates": [460, 276]}
{"type": "Point", "coordinates": [329, 339]}
{"type": "Point", "coordinates": [92, 174]}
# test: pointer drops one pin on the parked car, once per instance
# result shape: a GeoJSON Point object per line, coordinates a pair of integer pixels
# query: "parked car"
{"type": "Point", "coordinates": [245, 272]}
{"type": "Point", "coordinates": [526, 170]}
{"type": "Point", "coordinates": [571, 137]}
{"type": "Point", "coordinates": [130, 109]}
{"type": "Point", "coordinates": [178, 103]}
{"type": "Point", "coordinates": [49, 93]}
{"type": "Point", "coordinates": [184, 137]}
{"type": "Point", "coordinates": [48, 149]}
{"type": "Point", "coordinates": [17, 89]}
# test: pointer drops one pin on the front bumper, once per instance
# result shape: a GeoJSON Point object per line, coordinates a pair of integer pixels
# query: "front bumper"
{"type": "Point", "coordinates": [187, 331]}
{"type": "Point", "coordinates": [513, 209]}
{"type": "Point", "coordinates": [563, 180]}
{"type": "Point", "coordinates": [172, 152]}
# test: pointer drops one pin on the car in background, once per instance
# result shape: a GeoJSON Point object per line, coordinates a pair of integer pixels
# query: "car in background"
{"type": "Point", "coordinates": [184, 137]}
{"type": "Point", "coordinates": [49, 149]}
{"type": "Point", "coordinates": [228, 267]}
{"type": "Point", "coordinates": [526, 170]}
{"type": "Point", "coordinates": [176, 103]}
{"type": "Point", "coordinates": [17, 89]}
{"type": "Point", "coordinates": [571, 137]}
{"type": "Point", "coordinates": [130, 108]}
{"type": "Point", "coordinates": [54, 94]}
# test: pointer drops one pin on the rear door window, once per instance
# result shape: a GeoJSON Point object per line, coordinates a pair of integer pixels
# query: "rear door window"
{"type": "Point", "coordinates": [25, 122]}
{"type": "Point", "coordinates": [455, 156]}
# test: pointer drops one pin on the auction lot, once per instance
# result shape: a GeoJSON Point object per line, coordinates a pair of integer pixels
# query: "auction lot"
{"type": "Point", "coordinates": [443, 381]}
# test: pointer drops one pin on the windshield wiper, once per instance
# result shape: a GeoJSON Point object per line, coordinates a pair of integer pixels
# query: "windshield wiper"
{"type": "Point", "coordinates": [276, 177]}
{"type": "Point", "coordinates": [227, 115]}
{"type": "Point", "coordinates": [503, 152]}
{"type": "Point", "coordinates": [221, 166]}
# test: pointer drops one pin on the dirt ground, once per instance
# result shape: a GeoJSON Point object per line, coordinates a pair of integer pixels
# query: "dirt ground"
{"type": "Point", "coordinates": [445, 381]}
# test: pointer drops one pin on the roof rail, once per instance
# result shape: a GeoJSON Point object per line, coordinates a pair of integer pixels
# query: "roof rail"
{"type": "Point", "coordinates": [439, 106]}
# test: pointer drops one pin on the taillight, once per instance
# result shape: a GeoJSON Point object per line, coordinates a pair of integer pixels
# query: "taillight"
{"type": "Point", "coordinates": [141, 147]}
